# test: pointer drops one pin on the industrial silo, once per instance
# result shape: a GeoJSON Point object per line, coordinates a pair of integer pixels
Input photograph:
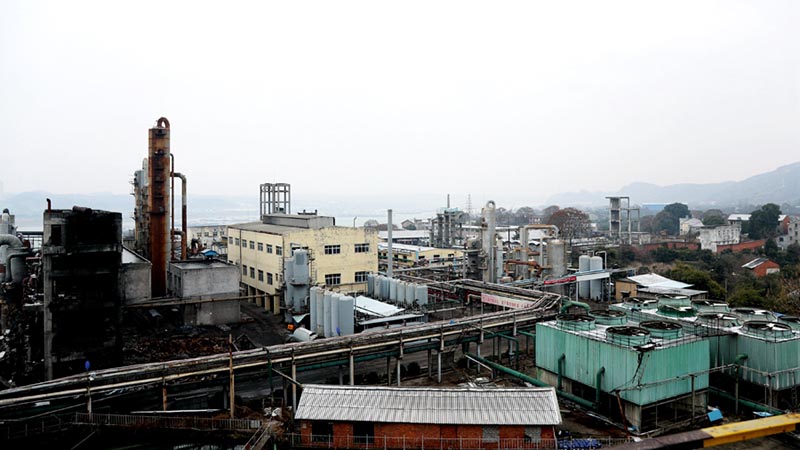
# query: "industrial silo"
{"type": "Point", "coordinates": [557, 257]}
{"type": "Point", "coordinates": [335, 299]}
{"type": "Point", "coordinates": [583, 266]}
{"type": "Point", "coordinates": [393, 290]}
{"type": "Point", "coordinates": [312, 306]}
{"type": "Point", "coordinates": [370, 285]}
{"type": "Point", "coordinates": [346, 315]}
{"type": "Point", "coordinates": [326, 304]}
{"type": "Point", "coordinates": [319, 323]}
{"type": "Point", "coordinates": [411, 293]}
{"type": "Point", "coordinates": [401, 292]}
{"type": "Point", "coordinates": [422, 295]}
{"type": "Point", "coordinates": [384, 288]}
{"type": "Point", "coordinates": [596, 286]}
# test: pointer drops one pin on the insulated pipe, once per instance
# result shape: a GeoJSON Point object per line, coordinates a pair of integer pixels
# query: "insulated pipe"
{"type": "Point", "coordinates": [13, 243]}
{"type": "Point", "coordinates": [184, 231]}
{"type": "Point", "coordinates": [567, 304]}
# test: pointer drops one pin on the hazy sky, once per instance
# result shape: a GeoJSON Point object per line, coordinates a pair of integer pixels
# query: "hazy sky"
{"type": "Point", "coordinates": [489, 98]}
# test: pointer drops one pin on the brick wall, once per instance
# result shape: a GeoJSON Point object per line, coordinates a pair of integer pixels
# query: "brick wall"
{"type": "Point", "coordinates": [749, 245]}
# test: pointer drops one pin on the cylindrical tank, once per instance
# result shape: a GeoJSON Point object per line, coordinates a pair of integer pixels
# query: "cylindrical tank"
{"type": "Point", "coordinates": [346, 315]}
{"type": "Point", "coordinates": [411, 293]}
{"type": "Point", "coordinates": [319, 324]}
{"type": "Point", "coordinates": [312, 307]}
{"type": "Point", "coordinates": [557, 257]}
{"type": "Point", "coordinates": [159, 172]}
{"type": "Point", "coordinates": [326, 304]}
{"type": "Point", "coordinates": [393, 290]}
{"type": "Point", "coordinates": [596, 286]}
{"type": "Point", "coordinates": [422, 295]}
{"type": "Point", "coordinates": [303, 335]}
{"type": "Point", "coordinates": [583, 266]}
{"type": "Point", "coordinates": [370, 285]}
{"type": "Point", "coordinates": [384, 288]}
{"type": "Point", "coordinates": [335, 299]}
{"type": "Point", "coordinates": [401, 292]}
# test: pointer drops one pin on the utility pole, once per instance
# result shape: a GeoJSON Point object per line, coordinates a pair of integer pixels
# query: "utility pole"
{"type": "Point", "coordinates": [232, 392]}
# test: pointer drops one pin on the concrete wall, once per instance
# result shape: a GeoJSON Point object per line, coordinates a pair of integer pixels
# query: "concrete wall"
{"type": "Point", "coordinates": [202, 280]}
{"type": "Point", "coordinates": [710, 238]}
{"type": "Point", "coordinates": [134, 280]}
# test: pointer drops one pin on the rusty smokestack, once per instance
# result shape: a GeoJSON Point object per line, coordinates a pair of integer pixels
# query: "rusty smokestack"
{"type": "Point", "coordinates": [159, 171]}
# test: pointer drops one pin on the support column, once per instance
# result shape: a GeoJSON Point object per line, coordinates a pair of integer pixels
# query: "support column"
{"type": "Point", "coordinates": [439, 368]}
{"type": "Point", "coordinates": [352, 370]}
{"type": "Point", "coordinates": [294, 385]}
{"type": "Point", "coordinates": [398, 371]}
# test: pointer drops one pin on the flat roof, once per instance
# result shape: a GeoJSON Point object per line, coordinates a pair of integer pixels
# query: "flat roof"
{"type": "Point", "coordinates": [372, 307]}
{"type": "Point", "coordinates": [430, 405]}
{"type": "Point", "coordinates": [200, 264]}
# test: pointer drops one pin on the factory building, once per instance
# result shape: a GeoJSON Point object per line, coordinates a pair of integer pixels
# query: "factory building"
{"type": "Point", "coordinates": [211, 237]}
{"type": "Point", "coordinates": [405, 255]}
{"type": "Point", "coordinates": [419, 418]}
{"type": "Point", "coordinates": [339, 258]}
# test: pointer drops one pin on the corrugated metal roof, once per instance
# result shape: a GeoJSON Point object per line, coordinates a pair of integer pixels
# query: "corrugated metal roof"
{"type": "Point", "coordinates": [375, 308]}
{"type": "Point", "coordinates": [755, 263]}
{"type": "Point", "coordinates": [457, 406]}
{"type": "Point", "coordinates": [655, 280]}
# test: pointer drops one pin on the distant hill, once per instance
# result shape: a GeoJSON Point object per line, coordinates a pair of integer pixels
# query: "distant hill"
{"type": "Point", "coordinates": [781, 185]}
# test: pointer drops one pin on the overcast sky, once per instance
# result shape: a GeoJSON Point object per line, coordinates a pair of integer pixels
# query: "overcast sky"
{"type": "Point", "coordinates": [489, 98]}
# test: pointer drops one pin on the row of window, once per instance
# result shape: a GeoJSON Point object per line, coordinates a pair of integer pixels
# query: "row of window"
{"type": "Point", "coordinates": [334, 279]}
{"type": "Point", "coordinates": [252, 272]}
{"type": "Point", "coordinates": [336, 249]}
{"type": "Point", "coordinates": [252, 245]}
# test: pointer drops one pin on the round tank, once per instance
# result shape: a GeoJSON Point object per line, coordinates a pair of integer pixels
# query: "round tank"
{"type": "Point", "coordinates": [674, 301]}
{"type": "Point", "coordinates": [583, 266]}
{"type": "Point", "coordinates": [411, 293]}
{"type": "Point", "coordinates": [792, 321]}
{"type": "Point", "coordinates": [596, 286]}
{"type": "Point", "coordinates": [370, 284]}
{"type": "Point", "coordinates": [326, 308]}
{"type": "Point", "coordinates": [718, 320]}
{"type": "Point", "coordinates": [630, 336]}
{"type": "Point", "coordinates": [393, 290]}
{"type": "Point", "coordinates": [609, 316]}
{"type": "Point", "coordinates": [710, 306]}
{"type": "Point", "coordinates": [639, 304]}
{"type": "Point", "coordinates": [422, 295]}
{"type": "Point", "coordinates": [556, 257]}
{"type": "Point", "coordinates": [768, 330]}
{"type": "Point", "coordinates": [576, 322]}
{"type": "Point", "coordinates": [319, 325]}
{"type": "Point", "coordinates": [312, 307]}
{"type": "Point", "coordinates": [18, 268]}
{"type": "Point", "coordinates": [335, 300]}
{"type": "Point", "coordinates": [662, 329]}
{"type": "Point", "coordinates": [303, 335]}
{"type": "Point", "coordinates": [346, 315]}
{"type": "Point", "coordinates": [401, 292]}
{"type": "Point", "coordinates": [676, 311]}
{"type": "Point", "coordinates": [754, 314]}
{"type": "Point", "coordinates": [384, 288]}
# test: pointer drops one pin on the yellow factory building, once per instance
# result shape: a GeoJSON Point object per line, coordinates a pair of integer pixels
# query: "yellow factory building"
{"type": "Point", "coordinates": [405, 255]}
{"type": "Point", "coordinates": [340, 257]}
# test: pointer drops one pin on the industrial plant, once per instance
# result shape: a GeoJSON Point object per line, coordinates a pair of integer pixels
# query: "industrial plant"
{"type": "Point", "coordinates": [285, 330]}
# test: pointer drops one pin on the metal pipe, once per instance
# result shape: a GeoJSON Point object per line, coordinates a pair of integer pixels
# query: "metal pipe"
{"type": "Point", "coordinates": [567, 304]}
{"type": "Point", "coordinates": [172, 208]}
{"type": "Point", "coordinates": [560, 367]}
{"type": "Point", "coordinates": [184, 226]}
{"type": "Point", "coordinates": [598, 385]}
{"type": "Point", "coordinates": [533, 381]}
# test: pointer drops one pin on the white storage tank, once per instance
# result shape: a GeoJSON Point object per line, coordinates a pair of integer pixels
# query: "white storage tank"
{"type": "Point", "coordinates": [393, 290]}
{"type": "Point", "coordinates": [411, 293]}
{"type": "Point", "coordinates": [583, 266]}
{"type": "Point", "coordinates": [557, 257]}
{"type": "Point", "coordinates": [401, 292]}
{"type": "Point", "coordinates": [346, 313]}
{"type": "Point", "coordinates": [303, 335]}
{"type": "Point", "coordinates": [384, 288]}
{"type": "Point", "coordinates": [335, 299]}
{"type": "Point", "coordinates": [596, 286]}
{"type": "Point", "coordinates": [312, 307]}
{"type": "Point", "coordinates": [327, 308]}
{"type": "Point", "coordinates": [422, 295]}
{"type": "Point", "coordinates": [370, 284]}
{"type": "Point", "coordinates": [319, 323]}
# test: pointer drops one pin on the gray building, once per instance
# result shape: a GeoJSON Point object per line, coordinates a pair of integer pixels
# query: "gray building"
{"type": "Point", "coordinates": [206, 284]}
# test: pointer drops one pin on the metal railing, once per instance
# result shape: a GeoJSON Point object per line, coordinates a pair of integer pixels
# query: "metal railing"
{"type": "Point", "coordinates": [440, 443]}
{"type": "Point", "coordinates": [162, 422]}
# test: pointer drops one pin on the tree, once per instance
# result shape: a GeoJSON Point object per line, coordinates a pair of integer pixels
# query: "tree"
{"type": "Point", "coordinates": [668, 220]}
{"type": "Point", "coordinates": [712, 221]}
{"type": "Point", "coordinates": [548, 213]}
{"type": "Point", "coordinates": [764, 221]}
{"type": "Point", "coordinates": [699, 279]}
{"type": "Point", "coordinates": [571, 222]}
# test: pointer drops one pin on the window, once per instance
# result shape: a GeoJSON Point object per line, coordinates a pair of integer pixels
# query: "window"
{"type": "Point", "coordinates": [333, 249]}
{"type": "Point", "coordinates": [260, 275]}
{"type": "Point", "coordinates": [361, 277]}
{"type": "Point", "coordinates": [244, 270]}
{"type": "Point", "coordinates": [205, 233]}
{"type": "Point", "coordinates": [321, 431]}
{"type": "Point", "coordinates": [260, 247]}
{"type": "Point", "coordinates": [215, 233]}
{"type": "Point", "coordinates": [252, 272]}
{"type": "Point", "coordinates": [269, 248]}
{"type": "Point", "coordinates": [237, 241]}
{"type": "Point", "coordinates": [269, 278]}
{"type": "Point", "coordinates": [491, 434]}
{"type": "Point", "coordinates": [244, 243]}
{"type": "Point", "coordinates": [252, 245]}
{"type": "Point", "coordinates": [333, 279]}
{"type": "Point", "coordinates": [364, 432]}
{"type": "Point", "coordinates": [278, 250]}
{"type": "Point", "coordinates": [362, 248]}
